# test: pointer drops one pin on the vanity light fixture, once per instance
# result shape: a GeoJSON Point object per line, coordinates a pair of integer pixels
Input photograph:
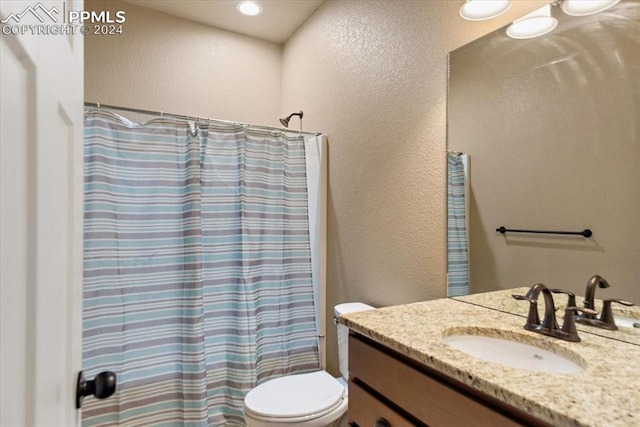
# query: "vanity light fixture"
{"type": "Point", "coordinates": [478, 10]}
{"type": "Point", "coordinates": [586, 7]}
{"type": "Point", "coordinates": [534, 24]}
{"type": "Point", "coordinates": [249, 8]}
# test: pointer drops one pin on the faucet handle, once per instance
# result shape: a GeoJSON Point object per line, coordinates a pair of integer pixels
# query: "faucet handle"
{"type": "Point", "coordinates": [569, 325]}
{"type": "Point", "coordinates": [607, 315]}
{"type": "Point", "coordinates": [571, 302]}
{"type": "Point", "coordinates": [533, 319]}
{"type": "Point", "coordinates": [581, 309]}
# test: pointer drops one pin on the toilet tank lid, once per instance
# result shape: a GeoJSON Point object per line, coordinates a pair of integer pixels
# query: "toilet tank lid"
{"type": "Point", "coordinates": [351, 307]}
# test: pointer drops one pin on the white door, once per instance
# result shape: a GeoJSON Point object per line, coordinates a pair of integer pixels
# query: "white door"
{"type": "Point", "coordinates": [41, 216]}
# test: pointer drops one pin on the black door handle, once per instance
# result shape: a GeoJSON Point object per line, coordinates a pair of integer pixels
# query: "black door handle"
{"type": "Point", "coordinates": [102, 386]}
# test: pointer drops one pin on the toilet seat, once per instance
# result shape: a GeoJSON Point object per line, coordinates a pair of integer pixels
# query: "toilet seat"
{"type": "Point", "coordinates": [295, 398]}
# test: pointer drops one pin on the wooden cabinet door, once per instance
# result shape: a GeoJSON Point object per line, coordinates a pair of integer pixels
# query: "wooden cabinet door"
{"type": "Point", "coordinates": [366, 410]}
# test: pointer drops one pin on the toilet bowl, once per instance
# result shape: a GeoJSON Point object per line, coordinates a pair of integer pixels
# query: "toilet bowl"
{"type": "Point", "coordinates": [314, 399]}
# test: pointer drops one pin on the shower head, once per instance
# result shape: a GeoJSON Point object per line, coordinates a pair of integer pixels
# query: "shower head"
{"type": "Point", "coordinates": [285, 121]}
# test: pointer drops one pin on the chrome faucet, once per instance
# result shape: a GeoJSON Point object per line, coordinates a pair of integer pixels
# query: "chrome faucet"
{"type": "Point", "coordinates": [549, 325]}
{"type": "Point", "coordinates": [606, 320]}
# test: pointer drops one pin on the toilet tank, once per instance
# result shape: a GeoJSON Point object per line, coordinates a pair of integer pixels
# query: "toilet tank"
{"type": "Point", "coordinates": [343, 333]}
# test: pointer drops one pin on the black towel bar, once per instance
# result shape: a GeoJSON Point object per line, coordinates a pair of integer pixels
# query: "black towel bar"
{"type": "Point", "coordinates": [584, 233]}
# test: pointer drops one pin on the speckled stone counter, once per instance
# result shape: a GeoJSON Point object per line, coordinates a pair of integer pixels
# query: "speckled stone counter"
{"type": "Point", "coordinates": [606, 393]}
{"type": "Point", "coordinates": [502, 301]}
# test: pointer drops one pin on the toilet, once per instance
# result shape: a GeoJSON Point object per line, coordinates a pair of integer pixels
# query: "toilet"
{"type": "Point", "coordinates": [315, 399]}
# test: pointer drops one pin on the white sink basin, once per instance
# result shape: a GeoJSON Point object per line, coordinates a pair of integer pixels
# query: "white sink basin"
{"type": "Point", "coordinates": [627, 322]}
{"type": "Point", "coordinates": [512, 353]}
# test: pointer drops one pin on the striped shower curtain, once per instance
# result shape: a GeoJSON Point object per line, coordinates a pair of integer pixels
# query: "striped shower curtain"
{"type": "Point", "coordinates": [457, 251]}
{"type": "Point", "coordinates": [197, 274]}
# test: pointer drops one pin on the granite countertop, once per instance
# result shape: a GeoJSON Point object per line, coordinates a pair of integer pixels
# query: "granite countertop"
{"type": "Point", "coordinates": [606, 393]}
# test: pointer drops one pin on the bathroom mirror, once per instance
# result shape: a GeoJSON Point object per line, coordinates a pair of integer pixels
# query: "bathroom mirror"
{"type": "Point", "coordinates": [551, 131]}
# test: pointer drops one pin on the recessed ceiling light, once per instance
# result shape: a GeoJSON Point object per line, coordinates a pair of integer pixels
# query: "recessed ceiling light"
{"type": "Point", "coordinates": [478, 10]}
{"type": "Point", "coordinates": [535, 24]}
{"type": "Point", "coordinates": [586, 7]}
{"type": "Point", "coordinates": [249, 8]}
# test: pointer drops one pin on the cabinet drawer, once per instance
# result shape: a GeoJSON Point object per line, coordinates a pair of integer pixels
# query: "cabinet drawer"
{"type": "Point", "coordinates": [428, 399]}
{"type": "Point", "coordinates": [365, 410]}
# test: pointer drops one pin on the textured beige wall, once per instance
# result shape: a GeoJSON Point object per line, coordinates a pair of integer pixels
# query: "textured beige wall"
{"type": "Point", "coordinates": [565, 156]}
{"type": "Point", "coordinates": [170, 64]}
{"type": "Point", "coordinates": [372, 75]}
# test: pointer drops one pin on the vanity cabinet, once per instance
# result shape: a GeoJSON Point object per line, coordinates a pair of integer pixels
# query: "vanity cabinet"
{"type": "Point", "coordinates": [387, 389]}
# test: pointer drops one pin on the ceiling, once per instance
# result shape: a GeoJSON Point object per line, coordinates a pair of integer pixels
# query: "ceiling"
{"type": "Point", "coordinates": [277, 22]}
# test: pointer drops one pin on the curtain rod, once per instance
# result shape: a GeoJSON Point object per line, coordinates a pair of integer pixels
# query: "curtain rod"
{"type": "Point", "coordinates": [194, 118]}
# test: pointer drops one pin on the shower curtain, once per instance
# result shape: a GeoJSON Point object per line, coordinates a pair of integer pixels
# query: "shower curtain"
{"type": "Point", "coordinates": [197, 273]}
{"type": "Point", "coordinates": [457, 251]}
